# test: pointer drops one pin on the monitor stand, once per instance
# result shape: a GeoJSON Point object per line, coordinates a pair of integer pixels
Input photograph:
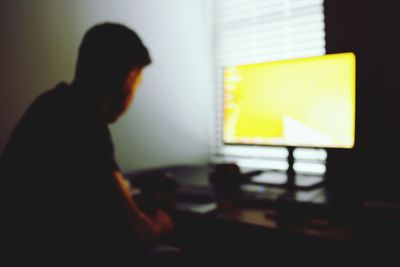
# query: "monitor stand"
{"type": "Point", "coordinates": [296, 181]}
{"type": "Point", "coordinates": [290, 173]}
{"type": "Point", "coordinates": [289, 180]}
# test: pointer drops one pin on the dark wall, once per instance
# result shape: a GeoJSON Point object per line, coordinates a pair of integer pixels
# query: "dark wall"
{"type": "Point", "coordinates": [371, 29]}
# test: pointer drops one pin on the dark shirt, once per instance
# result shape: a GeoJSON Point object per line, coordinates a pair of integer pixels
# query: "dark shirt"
{"type": "Point", "coordinates": [57, 174]}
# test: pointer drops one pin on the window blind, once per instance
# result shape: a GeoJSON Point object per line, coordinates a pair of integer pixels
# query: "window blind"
{"type": "Point", "coordinates": [252, 31]}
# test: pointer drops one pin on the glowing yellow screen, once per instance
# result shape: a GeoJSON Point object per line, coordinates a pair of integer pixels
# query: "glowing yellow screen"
{"type": "Point", "coordinates": [306, 102]}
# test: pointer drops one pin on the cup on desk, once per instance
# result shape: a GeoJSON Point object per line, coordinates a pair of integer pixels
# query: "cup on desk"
{"type": "Point", "coordinates": [226, 180]}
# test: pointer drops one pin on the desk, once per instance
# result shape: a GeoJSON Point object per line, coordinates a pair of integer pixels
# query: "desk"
{"type": "Point", "coordinates": [196, 196]}
{"type": "Point", "coordinates": [311, 226]}
{"type": "Point", "coordinates": [248, 229]}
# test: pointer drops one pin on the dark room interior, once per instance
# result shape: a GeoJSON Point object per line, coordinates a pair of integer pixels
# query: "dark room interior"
{"type": "Point", "coordinates": [168, 132]}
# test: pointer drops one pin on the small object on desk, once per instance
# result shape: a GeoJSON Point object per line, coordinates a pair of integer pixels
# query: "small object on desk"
{"type": "Point", "coordinates": [253, 192]}
{"type": "Point", "coordinates": [226, 180]}
{"type": "Point", "coordinates": [202, 208]}
{"type": "Point", "coordinates": [226, 177]}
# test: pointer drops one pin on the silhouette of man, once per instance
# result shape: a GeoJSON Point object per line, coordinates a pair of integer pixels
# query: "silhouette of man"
{"type": "Point", "coordinates": [66, 197]}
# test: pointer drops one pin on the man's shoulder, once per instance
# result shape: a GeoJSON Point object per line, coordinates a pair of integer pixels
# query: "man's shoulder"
{"type": "Point", "coordinates": [64, 106]}
{"type": "Point", "coordinates": [60, 114]}
{"type": "Point", "coordinates": [49, 102]}
{"type": "Point", "coordinates": [54, 97]}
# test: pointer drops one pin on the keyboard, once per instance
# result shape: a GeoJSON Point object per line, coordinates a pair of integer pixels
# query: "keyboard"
{"type": "Point", "coordinates": [249, 192]}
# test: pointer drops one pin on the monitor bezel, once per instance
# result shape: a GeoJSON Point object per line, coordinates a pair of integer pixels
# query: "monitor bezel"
{"type": "Point", "coordinates": [290, 146]}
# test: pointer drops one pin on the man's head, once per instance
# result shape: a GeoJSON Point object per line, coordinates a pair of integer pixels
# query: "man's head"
{"type": "Point", "coordinates": [111, 58]}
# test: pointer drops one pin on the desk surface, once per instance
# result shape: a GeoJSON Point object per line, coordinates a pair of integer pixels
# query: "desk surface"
{"type": "Point", "coordinates": [277, 224]}
{"type": "Point", "coordinates": [306, 212]}
{"type": "Point", "coordinates": [196, 196]}
{"type": "Point", "coordinates": [311, 226]}
{"type": "Point", "coordinates": [193, 181]}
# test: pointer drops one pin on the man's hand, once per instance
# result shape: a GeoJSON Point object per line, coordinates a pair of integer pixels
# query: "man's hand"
{"type": "Point", "coordinates": [163, 220]}
{"type": "Point", "coordinates": [147, 227]}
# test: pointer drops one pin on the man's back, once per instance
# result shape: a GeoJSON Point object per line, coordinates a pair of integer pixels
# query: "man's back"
{"type": "Point", "coordinates": [57, 173]}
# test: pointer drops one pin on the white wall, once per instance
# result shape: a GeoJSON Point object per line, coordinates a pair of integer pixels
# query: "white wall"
{"type": "Point", "coordinates": [169, 122]}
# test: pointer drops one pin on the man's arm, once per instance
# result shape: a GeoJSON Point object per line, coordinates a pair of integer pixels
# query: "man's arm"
{"type": "Point", "coordinates": [145, 226]}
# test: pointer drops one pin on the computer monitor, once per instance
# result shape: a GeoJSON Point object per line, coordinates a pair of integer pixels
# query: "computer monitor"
{"type": "Point", "coordinates": [305, 102]}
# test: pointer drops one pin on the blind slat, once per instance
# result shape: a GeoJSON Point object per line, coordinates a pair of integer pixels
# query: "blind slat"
{"type": "Point", "coordinates": [252, 31]}
{"type": "Point", "coordinates": [234, 7]}
{"type": "Point", "coordinates": [224, 16]}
